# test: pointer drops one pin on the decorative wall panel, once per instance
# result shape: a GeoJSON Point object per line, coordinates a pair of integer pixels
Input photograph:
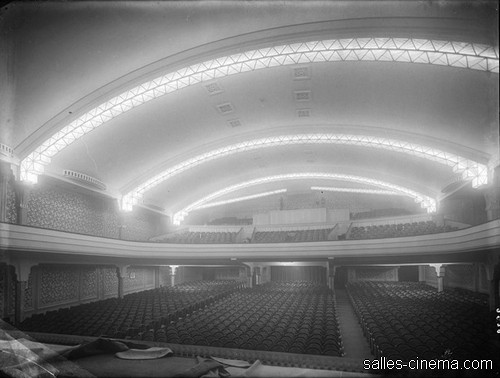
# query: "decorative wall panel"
{"type": "Point", "coordinates": [109, 281]}
{"type": "Point", "coordinates": [141, 225]}
{"type": "Point", "coordinates": [57, 209]}
{"type": "Point", "coordinates": [58, 285]}
{"type": "Point", "coordinates": [11, 302]}
{"type": "Point", "coordinates": [10, 205]}
{"type": "Point", "coordinates": [3, 290]}
{"type": "Point", "coordinates": [134, 281]}
{"type": "Point", "coordinates": [28, 294]}
{"type": "Point", "coordinates": [88, 289]}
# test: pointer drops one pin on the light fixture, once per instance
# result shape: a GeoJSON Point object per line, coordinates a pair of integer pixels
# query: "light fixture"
{"type": "Point", "coordinates": [406, 50]}
{"type": "Point", "coordinates": [356, 190]}
{"type": "Point", "coordinates": [425, 201]}
{"type": "Point", "coordinates": [239, 199]}
{"type": "Point", "coordinates": [473, 170]}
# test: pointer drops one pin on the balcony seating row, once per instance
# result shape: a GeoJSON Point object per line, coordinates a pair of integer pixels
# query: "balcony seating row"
{"type": "Point", "coordinates": [397, 230]}
{"type": "Point", "coordinates": [291, 236]}
{"type": "Point", "coordinates": [191, 237]}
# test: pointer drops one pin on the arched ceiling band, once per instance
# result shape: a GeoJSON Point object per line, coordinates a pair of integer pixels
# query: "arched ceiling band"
{"type": "Point", "coordinates": [356, 190]}
{"type": "Point", "coordinates": [425, 201]}
{"type": "Point", "coordinates": [240, 199]}
{"type": "Point", "coordinates": [406, 50]}
{"type": "Point", "coordinates": [469, 169]}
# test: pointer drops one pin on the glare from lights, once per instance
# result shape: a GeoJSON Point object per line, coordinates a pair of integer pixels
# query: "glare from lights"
{"type": "Point", "coordinates": [405, 50]}
{"type": "Point", "coordinates": [239, 199]}
{"type": "Point", "coordinates": [425, 201]}
{"type": "Point", "coordinates": [474, 171]}
{"type": "Point", "coordinates": [356, 190]}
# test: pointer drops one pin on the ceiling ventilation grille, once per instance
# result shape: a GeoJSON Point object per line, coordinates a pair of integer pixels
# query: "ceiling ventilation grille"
{"type": "Point", "coordinates": [85, 179]}
{"type": "Point", "coordinates": [225, 108]}
{"type": "Point", "coordinates": [302, 96]}
{"type": "Point", "coordinates": [234, 123]}
{"type": "Point", "coordinates": [301, 73]}
{"type": "Point", "coordinates": [6, 150]}
{"type": "Point", "coordinates": [303, 113]}
{"type": "Point", "coordinates": [213, 88]}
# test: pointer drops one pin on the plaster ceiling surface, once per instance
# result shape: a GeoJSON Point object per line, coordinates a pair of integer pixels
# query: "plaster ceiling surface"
{"type": "Point", "coordinates": [67, 57]}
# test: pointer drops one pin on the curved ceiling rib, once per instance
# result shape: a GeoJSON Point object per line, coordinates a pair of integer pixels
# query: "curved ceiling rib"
{"type": "Point", "coordinates": [356, 190]}
{"type": "Point", "coordinates": [240, 199]}
{"type": "Point", "coordinates": [425, 201]}
{"type": "Point", "coordinates": [406, 50]}
{"type": "Point", "coordinates": [469, 169]}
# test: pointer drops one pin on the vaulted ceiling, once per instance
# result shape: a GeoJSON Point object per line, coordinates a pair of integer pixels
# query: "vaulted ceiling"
{"type": "Point", "coordinates": [156, 110]}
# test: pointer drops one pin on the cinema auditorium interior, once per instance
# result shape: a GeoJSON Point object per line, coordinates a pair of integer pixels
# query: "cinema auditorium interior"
{"type": "Point", "coordinates": [249, 188]}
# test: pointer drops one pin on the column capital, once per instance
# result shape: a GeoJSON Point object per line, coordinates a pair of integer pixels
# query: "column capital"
{"type": "Point", "coordinates": [121, 270]}
{"type": "Point", "coordinates": [23, 269]}
{"type": "Point", "coordinates": [439, 268]}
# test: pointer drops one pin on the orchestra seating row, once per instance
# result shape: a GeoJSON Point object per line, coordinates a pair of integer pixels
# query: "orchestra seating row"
{"type": "Point", "coordinates": [291, 236]}
{"type": "Point", "coordinates": [397, 230]}
{"type": "Point", "coordinates": [191, 237]}
{"type": "Point", "coordinates": [132, 314]}
{"type": "Point", "coordinates": [294, 317]}
{"type": "Point", "coordinates": [408, 320]}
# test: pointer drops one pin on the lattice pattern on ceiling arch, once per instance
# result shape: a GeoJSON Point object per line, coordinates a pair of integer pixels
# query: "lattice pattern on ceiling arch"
{"type": "Point", "coordinates": [469, 169]}
{"type": "Point", "coordinates": [425, 201]}
{"type": "Point", "coordinates": [406, 50]}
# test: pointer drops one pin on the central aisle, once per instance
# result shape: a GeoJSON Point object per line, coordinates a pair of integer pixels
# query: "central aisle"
{"type": "Point", "coordinates": [355, 344]}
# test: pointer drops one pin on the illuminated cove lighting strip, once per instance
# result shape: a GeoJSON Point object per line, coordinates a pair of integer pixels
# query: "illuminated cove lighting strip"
{"type": "Point", "coordinates": [425, 201]}
{"type": "Point", "coordinates": [239, 199]}
{"type": "Point", "coordinates": [357, 190]}
{"type": "Point", "coordinates": [469, 169]}
{"type": "Point", "coordinates": [405, 50]}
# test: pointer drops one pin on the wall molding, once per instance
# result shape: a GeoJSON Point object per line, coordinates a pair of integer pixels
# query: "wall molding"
{"type": "Point", "coordinates": [16, 241]}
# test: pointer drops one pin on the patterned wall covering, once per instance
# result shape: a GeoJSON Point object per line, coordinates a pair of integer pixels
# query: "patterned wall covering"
{"type": "Point", "coordinates": [138, 279]}
{"type": "Point", "coordinates": [109, 281]}
{"type": "Point", "coordinates": [10, 205]}
{"type": "Point", "coordinates": [88, 284]}
{"type": "Point", "coordinates": [28, 294]}
{"type": "Point", "coordinates": [56, 208]}
{"type": "Point", "coordinates": [374, 274]}
{"type": "Point", "coordinates": [58, 285]}
{"type": "Point", "coordinates": [11, 303]}
{"type": "Point", "coordinates": [3, 290]}
{"type": "Point", "coordinates": [141, 225]}
{"type": "Point", "coordinates": [71, 211]}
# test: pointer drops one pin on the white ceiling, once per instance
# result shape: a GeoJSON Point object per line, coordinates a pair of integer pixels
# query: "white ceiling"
{"type": "Point", "coordinates": [63, 57]}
